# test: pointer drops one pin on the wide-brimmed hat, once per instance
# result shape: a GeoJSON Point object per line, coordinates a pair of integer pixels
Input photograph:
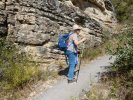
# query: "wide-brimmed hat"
{"type": "Point", "coordinates": [76, 27]}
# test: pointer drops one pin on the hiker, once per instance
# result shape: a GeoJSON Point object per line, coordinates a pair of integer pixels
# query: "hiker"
{"type": "Point", "coordinates": [72, 51]}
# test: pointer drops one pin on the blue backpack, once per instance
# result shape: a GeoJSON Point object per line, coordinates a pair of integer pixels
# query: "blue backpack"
{"type": "Point", "coordinates": [62, 41]}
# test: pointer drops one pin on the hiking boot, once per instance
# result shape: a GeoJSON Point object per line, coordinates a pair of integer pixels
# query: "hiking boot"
{"type": "Point", "coordinates": [71, 81]}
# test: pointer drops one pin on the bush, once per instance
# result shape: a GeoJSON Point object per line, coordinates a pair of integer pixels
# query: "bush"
{"type": "Point", "coordinates": [124, 51]}
{"type": "Point", "coordinates": [15, 67]}
{"type": "Point", "coordinates": [124, 10]}
{"type": "Point", "coordinates": [92, 53]}
{"type": "Point", "coordinates": [122, 69]}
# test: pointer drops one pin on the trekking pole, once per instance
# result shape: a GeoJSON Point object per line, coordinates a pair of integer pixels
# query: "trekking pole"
{"type": "Point", "coordinates": [80, 62]}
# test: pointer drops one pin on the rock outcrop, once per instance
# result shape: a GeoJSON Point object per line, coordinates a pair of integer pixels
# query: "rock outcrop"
{"type": "Point", "coordinates": [3, 18]}
{"type": "Point", "coordinates": [35, 24]}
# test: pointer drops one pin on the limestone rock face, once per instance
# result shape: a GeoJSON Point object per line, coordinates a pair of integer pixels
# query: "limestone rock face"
{"type": "Point", "coordinates": [3, 19]}
{"type": "Point", "coordinates": [36, 24]}
{"type": "Point", "coordinates": [100, 10]}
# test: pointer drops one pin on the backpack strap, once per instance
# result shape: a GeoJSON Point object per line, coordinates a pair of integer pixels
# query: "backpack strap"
{"type": "Point", "coordinates": [69, 35]}
{"type": "Point", "coordinates": [68, 38]}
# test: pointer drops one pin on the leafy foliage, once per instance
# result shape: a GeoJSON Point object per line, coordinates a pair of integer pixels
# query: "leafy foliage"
{"type": "Point", "coordinates": [124, 51]}
{"type": "Point", "coordinates": [122, 69]}
{"type": "Point", "coordinates": [15, 67]}
{"type": "Point", "coordinates": [17, 71]}
{"type": "Point", "coordinates": [124, 10]}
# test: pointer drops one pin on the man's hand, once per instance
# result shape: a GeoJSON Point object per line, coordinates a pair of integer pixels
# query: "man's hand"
{"type": "Point", "coordinates": [78, 42]}
{"type": "Point", "coordinates": [82, 40]}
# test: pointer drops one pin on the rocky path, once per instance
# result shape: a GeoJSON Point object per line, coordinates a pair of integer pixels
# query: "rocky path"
{"type": "Point", "coordinates": [88, 75]}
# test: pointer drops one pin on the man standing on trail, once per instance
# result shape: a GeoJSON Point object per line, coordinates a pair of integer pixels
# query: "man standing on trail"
{"type": "Point", "coordinates": [72, 51]}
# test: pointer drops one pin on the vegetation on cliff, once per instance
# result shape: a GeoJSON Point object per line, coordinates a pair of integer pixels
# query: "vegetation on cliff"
{"type": "Point", "coordinates": [124, 10]}
{"type": "Point", "coordinates": [15, 69]}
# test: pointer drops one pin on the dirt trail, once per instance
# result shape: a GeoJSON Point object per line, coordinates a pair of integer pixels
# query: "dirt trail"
{"type": "Point", "coordinates": [88, 75]}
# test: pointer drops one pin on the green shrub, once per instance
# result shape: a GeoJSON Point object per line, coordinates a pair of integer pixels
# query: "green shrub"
{"type": "Point", "coordinates": [124, 10]}
{"type": "Point", "coordinates": [122, 69]}
{"type": "Point", "coordinates": [15, 67]}
{"type": "Point", "coordinates": [92, 53]}
{"type": "Point", "coordinates": [124, 51]}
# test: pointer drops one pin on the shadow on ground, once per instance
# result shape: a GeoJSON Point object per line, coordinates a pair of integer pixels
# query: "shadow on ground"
{"type": "Point", "coordinates": [63, 72]}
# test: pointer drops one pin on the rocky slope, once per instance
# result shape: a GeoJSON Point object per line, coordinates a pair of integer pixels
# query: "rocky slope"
{"type": "Point", "coordinates": [35, 24]}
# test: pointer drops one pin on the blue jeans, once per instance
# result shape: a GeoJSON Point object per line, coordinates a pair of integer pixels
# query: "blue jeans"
{"type": "Point", "coordinates": [73, 61]}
